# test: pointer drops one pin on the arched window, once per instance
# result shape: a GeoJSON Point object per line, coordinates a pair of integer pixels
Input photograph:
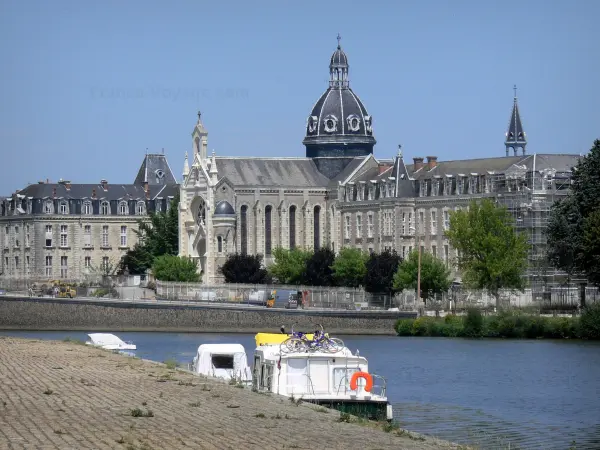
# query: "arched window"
{"type": "Point", "coordinates": [201, 213]}
{"type": "Point", "coordinates": [268, 210]}
{"type": "Point", "coordinates": [140, 208]}
{"type": "Point", "coordinates": [63, 207]}
{"type": "Point", "coordinates": [317, 227]}
{"type": "Point", "coordinates": [123, 208]}
{"type": "Point", "coordinates": [220, 244]}
{"type": "Point", "coordinates": [104, 208]}
{"type": "Point", "coordinates": [48, 207]}
{"type": "Point", "coordinates": [244, 229]}
{"type": "Point", "coordinates": [87, 208]}
{"type": "Point", "coordinates": [292, 226]}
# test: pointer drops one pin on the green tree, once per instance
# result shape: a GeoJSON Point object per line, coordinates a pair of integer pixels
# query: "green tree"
{"type": "Point", "coordinates": [244, 269]}
{"type": "Point", "coordinates": [158, 235]}
{"type": "Point", "coordinates": [492, 255]}
{"type": "Point", "coordinates": [318, 268]}
{"type": "Point", "coordinates": [435, 277]}
{"type": "Point", "coordinates": [350, 267]}
{"type": "Point", "coordinates": [381, 268]}
{"type": "Point", "coordinates": [570, 232]}
{"type": "Point", "coordinates": [175, 268]}
{"type": "Point", "coordinates": [289, 265]}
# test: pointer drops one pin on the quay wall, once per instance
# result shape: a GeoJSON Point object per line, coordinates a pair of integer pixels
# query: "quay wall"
{"type": "Point", "coordinates": [89, 315]}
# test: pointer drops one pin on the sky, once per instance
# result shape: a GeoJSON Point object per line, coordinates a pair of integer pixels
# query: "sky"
{"type": "Point", "coordinates": [88, 87]}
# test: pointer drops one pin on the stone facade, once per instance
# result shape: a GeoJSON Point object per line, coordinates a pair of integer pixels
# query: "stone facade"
{"type": "Point", "coordinates": [69, 231]}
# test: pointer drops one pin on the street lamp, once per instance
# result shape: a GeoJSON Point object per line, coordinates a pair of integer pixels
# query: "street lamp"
{"type": "Point", "coordinates": [419, 264]}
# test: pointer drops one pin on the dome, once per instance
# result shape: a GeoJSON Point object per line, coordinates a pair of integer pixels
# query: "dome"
{"type": "Point", "coordinates": [224, 208]}
{"type": "Point", "coordinates": [339, 124]}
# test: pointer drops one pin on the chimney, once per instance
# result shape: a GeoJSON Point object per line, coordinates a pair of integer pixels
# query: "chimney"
{"type": "Point", "coordinates": [47, 180]}
{"type": "Point", "coordinates": [417, 163]}
{"type": "Point", "coordinates": [104, 184]}
{"type": "Point", "coordinates": [54, 192]}
{"type": "Point", "coordinates": [147, 190]}
{"type": "Point", "coordinates": [383, 168]}
{"type": "Point", "coordinates": [94, 193]}
{"type": "Point", "coordinates": [68, 185]}
{"type": "Point", "coordinates": [431, 162]}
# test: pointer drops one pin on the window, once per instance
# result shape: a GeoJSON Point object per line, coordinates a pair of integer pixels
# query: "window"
{"type": "Point", "coordinates": [140, 208]}
{"type": "Point", "coordinates": [105, 264]}
{"type": "Point", "coordinates": [104, 235]}
{"type": "Point", "coordinates": [370, 225]}
{"type": "Point", "coordinates": [123, 236]}
{"type": "Point", "coordinates": [16, 262]}
{"type": "Point", "coordinates": [421, 222]}
{"type": "Point", "coordinates": [446, 220]}
{"type": "Point", "coordinates": [268, 211]}
{"type": "Point", "coordinates": [358, 226]}
{"type": "Point", "coordinates": [6, 232]}
{"type": "Point", "coordinates": [410, 224]}
{"type": "Point", "coordinates": [63, 209]}
{"type": "Point", "coordinates": [317, 227]}
{"type": "Point", "coordinates": [87, 208]}
{"type": "Point", "coordinates": [244, 229]}
{"type": "Point", "coordinates": [446, 254]}
{"type": "Point", "coordinates": [27, 236]}
{"type": "Point", "coordinates": [64, 238]}
{"type": "Point", "coordinates": [63, 267]}
{"type": "Point", "coordinates": [87, 261]}
{"type": "Point", "coordinates": [434, 250]}
{"type": "Point", "coordinates": [219, 244]}
{"type": "Point", "coordinates": [222, 361]}
{"type": "Point", "coordinates": [6, 263]}
{"type": "Point", "coordinates": [104, 208]}
{"type": "Point", "coordinates": [48, 266]}
{"type": "Point", "coordinates": [292, 226]}
{"type": "Point", "coordinates": [48, 235]}
{"type": "Point", "coordinates": [48, 207]}
{"type": "Point", "coordinates": [27, 264]}
{"type": "Point", "coordinates": [403, 223]}
{"type": "Point", "coordinates": [347, 227]}
{"type": "Point", "coordinates": [87, 236]}
{"type": "Point", "coordinates": [123, 208]}
{"type": "Point", "coordinates": [158, 205]}
{"type": "Point", "coordinates": [433, 222]}
{"type": "Point", "coordinates": [404, 252]}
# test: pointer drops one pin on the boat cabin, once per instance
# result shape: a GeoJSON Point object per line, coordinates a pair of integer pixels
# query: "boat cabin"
{"type": "Point", "coordinates": [227, 361]}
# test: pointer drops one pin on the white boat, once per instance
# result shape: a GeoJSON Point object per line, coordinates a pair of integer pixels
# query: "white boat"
{"type": "Point", "coordinates": [226, 361]}
{"type": "Point", "coordinates": [109, 341]}
{"type": "Point", "coordinates": [328, 375]}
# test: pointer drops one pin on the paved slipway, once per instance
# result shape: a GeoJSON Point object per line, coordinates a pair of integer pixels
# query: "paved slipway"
{"type": "Point", "coordinates": [57, 395]}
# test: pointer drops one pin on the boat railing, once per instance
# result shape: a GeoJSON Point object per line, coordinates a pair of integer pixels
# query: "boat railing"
{"type": "Point", "coordinates": [379, 385]}
{"type": "Point", "coordinates": [310, 387]}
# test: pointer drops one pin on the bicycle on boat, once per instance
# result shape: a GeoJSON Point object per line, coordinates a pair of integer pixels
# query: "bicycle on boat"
{"type": "Point", "coordinates": [299, 342]}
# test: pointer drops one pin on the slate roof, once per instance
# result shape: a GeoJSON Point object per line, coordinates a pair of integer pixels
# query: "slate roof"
{"type": "Point", "coordinates": [114, 191]}
{"type": "Point", "coordinates": [271, 172]}
{"type": "Point", "coordinates": [515, 133]}
{"type": "Point", "coordinates": [152, 167]}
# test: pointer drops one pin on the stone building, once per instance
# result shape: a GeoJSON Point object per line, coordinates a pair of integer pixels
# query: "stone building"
{"type": "Point", "coordinates": [66, 230]}
{"type": "Point", "coordinates": [339, 194]}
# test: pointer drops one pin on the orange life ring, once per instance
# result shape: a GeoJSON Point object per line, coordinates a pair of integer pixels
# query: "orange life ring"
{"type": "Point", "coordinates": [354, 381]}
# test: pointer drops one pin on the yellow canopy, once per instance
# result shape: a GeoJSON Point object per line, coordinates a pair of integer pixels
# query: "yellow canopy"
{"type": "Point", "coordinates": [274, 338]}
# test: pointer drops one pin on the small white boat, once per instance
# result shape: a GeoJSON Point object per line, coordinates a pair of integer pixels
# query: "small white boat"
{"type": "Point", "coordinates": [109, 341]}
{"type": "Point", "coordinates": [226, 361]}
{"type": "Point", "coordinates": [329, 374]}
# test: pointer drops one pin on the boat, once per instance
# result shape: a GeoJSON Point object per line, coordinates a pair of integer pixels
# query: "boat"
{"type": "Point", "coordinates": [109, 341]}
{"type": "Point", "coordinates": [226, 361]}
{"type": "Point", "coordinates": [325, 372]}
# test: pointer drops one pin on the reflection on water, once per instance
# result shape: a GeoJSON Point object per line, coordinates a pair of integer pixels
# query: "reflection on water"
{"type": "Point", "coordinates": [496, 394]}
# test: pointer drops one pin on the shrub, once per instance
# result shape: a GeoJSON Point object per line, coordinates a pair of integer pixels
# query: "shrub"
{"type": "Point", "coordinates": [473, 323]}
{"type": "Point", "coordinates": [404, 327]}
{"type": "Point", "coordinates": [589, 323]}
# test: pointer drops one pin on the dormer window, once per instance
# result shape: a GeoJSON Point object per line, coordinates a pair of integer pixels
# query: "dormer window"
{"type": "Point", "coordinates": [48, 207]}
{"type": "Point", "coordinates": [87, 208]}
{"type": "Point", "coordinates": [369, 123]}
{"type": "Point", "coordinates": [105, 208]}
{"type": "Point", "coordinates": [140, 208]}
{"type": "Point", "coordinates": [63, 208]}
{"type": "Point", "coordinates": [353, 122]}
{"type": "Point", "coordinates": [330, 123]}
{"type": "Point", "coordinates": [312, 124]}
{"type": "Point", "coordinates": [159, 176]}
{"type": "Point", "coordinates": [123, 208]}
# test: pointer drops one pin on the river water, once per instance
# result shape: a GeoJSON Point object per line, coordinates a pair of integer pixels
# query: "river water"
{"type": "Point", "coordinates": [495, 394]}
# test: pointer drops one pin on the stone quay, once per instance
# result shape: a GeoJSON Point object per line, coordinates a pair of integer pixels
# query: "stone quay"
{"type": "Point", "coordinates": [65, 395]}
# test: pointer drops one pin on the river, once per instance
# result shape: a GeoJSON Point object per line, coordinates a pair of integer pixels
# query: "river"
{"type": "Point", "coordinates": [495, 394]}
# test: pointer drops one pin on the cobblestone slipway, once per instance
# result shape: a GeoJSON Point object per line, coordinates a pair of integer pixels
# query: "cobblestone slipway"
{"type": "Point", "coordinates": [57, 395]}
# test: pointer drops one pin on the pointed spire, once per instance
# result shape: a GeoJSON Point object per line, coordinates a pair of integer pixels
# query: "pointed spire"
{"type": "Point", "coordinates": [400, 151]}
{"type": "Point", "coordinates": [515, 135]}
{"type": "Point", "coordinates": [213, 168]}
{"type": "Point", "coordinates": [186, 166]}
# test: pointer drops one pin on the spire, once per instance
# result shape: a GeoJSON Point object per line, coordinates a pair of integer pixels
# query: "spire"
{"type": "Point", "coordinates": [400, 151]}
{"type": "Point", "coordinates": [213, 168]}
{"type": "Point", "coordinates": [515, 136]}
{"type": "Point", "coordinates": [338, 68]}
{"type": "Point", "coordinates": [186, 167]}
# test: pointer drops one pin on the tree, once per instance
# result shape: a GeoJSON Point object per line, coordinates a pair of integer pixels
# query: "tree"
{"type": "Point", "coordinates": [571, 218]}
{"type": "Point", "coordinates": [289, 265]}
{"type": "Point", "coordinates": [175, 268]}
{"type": "Point", "coordinates": [591, 244]}
{"type": "Point", "coordinates": [349, 267]}
{"type": "Point", "coordinates": [381, 268]}
{"type": "Point", "coordinates": [435, 277]}
{"type": "Point", "coordinates": [318, 268]}
{"type": "Point", "coordinates": [244, 269]}
{"type": "Point", "coordinates": [158, 235]}
{"type": "Point", "coordinates": [492, 255]}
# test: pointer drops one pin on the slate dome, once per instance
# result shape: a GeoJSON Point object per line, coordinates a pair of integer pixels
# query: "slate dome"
{"type": "Point", "coordinates": [339, 124]}
{"type": "Point", "coordinates": [224, 208]}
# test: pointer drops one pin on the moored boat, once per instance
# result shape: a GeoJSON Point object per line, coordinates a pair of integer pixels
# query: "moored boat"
{"type": "Point", "coordinates": [109, 341]}
{"type": "Point", "coordinates": [226, 361]}
{"type": "Point", "coordinates": [319, 369]}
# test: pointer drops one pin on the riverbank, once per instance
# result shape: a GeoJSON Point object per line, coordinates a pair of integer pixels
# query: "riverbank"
{"type": "Point", "coordinates": [122, 315]}
{"type": "Point", "coordinates": [505, 324]}
{"type": "Point", "coordinates": [66, 395]}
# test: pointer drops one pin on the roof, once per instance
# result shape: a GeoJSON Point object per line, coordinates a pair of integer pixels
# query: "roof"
{"type": "Point", "coordinates": [224, 208]}
{"type": "Point", "coordinates": [222, 349]}
{"type": "Point", "coordinates": [113, 191]}
{"type": "Point", "coordinates": [515, 133]}
{"type": "Point", "coordinates": [271, 172]}
{"type": "Point", "coordinates": [155, 170]}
